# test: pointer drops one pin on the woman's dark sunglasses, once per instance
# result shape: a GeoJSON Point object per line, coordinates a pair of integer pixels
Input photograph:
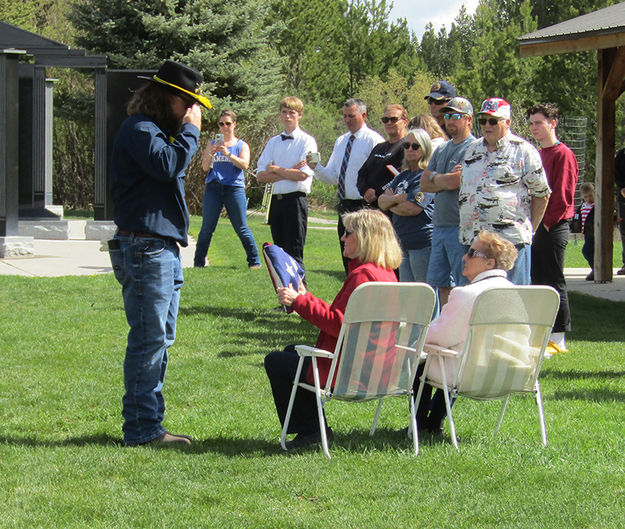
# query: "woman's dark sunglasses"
{"type": "Point", "coordinates": [490, 121]}
{"type": "Point", "coordinates": [414, 146]}
{"type": "Point", "coordinates": [225, 124]}
{"type": "Point", "coordinates": [472, 252]}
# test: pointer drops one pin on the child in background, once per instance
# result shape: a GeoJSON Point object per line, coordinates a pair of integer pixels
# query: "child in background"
{"type": "Point", "coordinates": [587, 214]}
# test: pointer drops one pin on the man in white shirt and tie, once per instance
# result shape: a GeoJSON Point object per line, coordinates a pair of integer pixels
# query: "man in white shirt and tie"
{"type": "Point", "coordinates": [283, 164]}
{"type": "Point", "coordinates": [349, 153]}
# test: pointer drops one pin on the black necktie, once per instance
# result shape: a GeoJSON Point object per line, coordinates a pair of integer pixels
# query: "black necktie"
{"type": "Point", "coordinates": [286, 137]}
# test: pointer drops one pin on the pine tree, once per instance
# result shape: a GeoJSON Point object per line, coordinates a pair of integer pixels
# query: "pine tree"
{"type": "Point", "coordinates": [227, 42]}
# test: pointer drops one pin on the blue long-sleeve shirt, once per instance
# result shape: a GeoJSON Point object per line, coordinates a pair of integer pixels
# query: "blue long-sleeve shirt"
{"type": "Point", "coordinates": [147, 178]}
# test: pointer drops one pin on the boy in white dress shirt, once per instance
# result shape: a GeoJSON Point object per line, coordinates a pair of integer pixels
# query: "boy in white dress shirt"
{"type": "Point", "coordinates": [283, 164]}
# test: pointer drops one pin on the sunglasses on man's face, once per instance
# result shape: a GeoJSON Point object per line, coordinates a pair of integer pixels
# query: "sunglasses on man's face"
{"type": "Point", "coordinates": [490, 121]}
{"type": "Point", "coordinates": [392, 119]}
{"type": "Point", "coordinates": [225, 123]}
{"type": "Point", "coordinates": [455, 116]}
{"type": "Point", "coordinates": [414, 146]}
{"type": "Point", "coordinates": [438, 102]}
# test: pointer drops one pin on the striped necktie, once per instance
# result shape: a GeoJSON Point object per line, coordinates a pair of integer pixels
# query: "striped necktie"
{"type": "Point", "coordinates": [348, 150]}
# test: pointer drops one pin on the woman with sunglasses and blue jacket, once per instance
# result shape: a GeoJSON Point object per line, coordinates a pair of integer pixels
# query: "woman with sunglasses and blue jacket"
{"type": "Point", "coordinates": [411, 209]}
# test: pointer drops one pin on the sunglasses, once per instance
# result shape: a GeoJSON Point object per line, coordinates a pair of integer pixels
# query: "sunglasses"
{"type": "Point", "coordinates": [392, 119]}
{"type": "Point", "coordinates": [414, 146]}
{"type": "Point", "coordinates": [490, 121]}
{"type": "Point", "coordinates": [438, 102]}
{"type": "Point", "coordinates": [225, 123]}
{"type": "Point", "coordinates": [455, 116]}
{"type": "Point", "coordinates": [472, 252]}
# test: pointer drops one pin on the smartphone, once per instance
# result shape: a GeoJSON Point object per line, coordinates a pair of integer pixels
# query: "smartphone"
{"type": "Point", "coordinates": [219, 139]}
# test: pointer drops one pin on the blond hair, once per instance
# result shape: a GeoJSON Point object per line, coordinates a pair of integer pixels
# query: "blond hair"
{"type": "Point", "coordinates": [377, 242]}
{"type": "Point", "coordinates": [292, 103]}
{"type": "Point", "coordinates": [428, 124]}
{"type": "Point", "coordinates": [502, 251]}
{"type": "Point", "coordinates": [423, 139]}
{"type": "Point", "coordinates": [400, 108]}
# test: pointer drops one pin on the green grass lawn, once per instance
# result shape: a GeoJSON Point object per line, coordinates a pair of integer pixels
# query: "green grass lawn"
{"type": "Point", "coordinates": [63, 466]}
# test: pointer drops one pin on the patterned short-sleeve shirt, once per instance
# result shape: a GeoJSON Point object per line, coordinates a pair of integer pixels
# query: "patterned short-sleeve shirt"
{"type": "Point", "coordinates": [497, 187]}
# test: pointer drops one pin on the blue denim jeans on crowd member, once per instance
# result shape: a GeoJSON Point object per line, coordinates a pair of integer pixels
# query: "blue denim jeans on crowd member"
{"type": "Point", "coordinates": [150, 273]}
{"type": "Point", "coordinates": [217, 195]}
{"type": "Point", "coordinates": [445, 266]}
{"type": "Point", "coordinates": [520, 273]}
{"type": "Point", "coordinates": [414, 265]}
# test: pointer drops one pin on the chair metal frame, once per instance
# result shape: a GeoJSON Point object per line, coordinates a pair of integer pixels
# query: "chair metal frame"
{"type": "Point", "coordinates": [548, 301]}
{"type": "Point", "coordinates": [412, 312]}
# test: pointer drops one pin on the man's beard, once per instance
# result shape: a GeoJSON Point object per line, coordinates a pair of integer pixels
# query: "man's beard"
{"type": "Point", "coordinates": [171, 125]}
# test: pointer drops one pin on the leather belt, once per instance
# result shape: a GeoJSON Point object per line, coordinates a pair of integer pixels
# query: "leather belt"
{"type": "Point", "coordinates": [128, 233]}
{"type": "Point", "coordinates": [294, 194]}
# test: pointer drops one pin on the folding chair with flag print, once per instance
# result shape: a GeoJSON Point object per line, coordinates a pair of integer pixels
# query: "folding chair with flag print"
{"type": "Point", "coordinates": [377, 352]}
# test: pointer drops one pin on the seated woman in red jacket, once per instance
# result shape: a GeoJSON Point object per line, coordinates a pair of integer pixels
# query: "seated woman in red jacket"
{"type": "Point", "coordinates": [372, 246]}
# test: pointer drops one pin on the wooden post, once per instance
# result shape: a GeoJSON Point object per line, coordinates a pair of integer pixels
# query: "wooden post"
{"type": "Point", "coordinates": [604, 193]}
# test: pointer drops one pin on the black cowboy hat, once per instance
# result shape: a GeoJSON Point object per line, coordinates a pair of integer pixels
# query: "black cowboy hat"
{"type": "Point", "coordinates": [181, 78]}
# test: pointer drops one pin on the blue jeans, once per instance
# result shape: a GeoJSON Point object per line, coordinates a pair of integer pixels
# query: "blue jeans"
{"type": "Point", "coordinates": [445, 266]}
{"type": "Point", "coordinates": [520, 273]}
{"type": "Point", "coordinates": [216, 196]}
{"type": "Point", "coordinates": [414, 265]}
{"type": "Point", "coordinates": [150, 273]}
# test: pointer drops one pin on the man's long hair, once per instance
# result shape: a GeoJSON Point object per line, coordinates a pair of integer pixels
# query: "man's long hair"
{"type": "Point", "coordinates": [155, 102]}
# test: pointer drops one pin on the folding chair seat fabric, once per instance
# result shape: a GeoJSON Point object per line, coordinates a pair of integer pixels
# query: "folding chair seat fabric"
{"type": "Point", "coordinates": [378, 350]}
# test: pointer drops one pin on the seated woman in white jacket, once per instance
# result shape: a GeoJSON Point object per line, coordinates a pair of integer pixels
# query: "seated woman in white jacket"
{"type": "Point", "coordinates": [485, 265]}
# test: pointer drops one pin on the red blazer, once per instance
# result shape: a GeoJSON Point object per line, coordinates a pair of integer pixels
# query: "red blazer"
{"type": "Point", "coordinates": [329, 318]}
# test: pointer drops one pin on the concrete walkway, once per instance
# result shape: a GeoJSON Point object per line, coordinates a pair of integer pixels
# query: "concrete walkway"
{"type": "Point", "coordinates": [78, 256]}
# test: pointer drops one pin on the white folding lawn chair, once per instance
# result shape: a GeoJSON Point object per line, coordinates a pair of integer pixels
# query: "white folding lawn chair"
{"type": "Point", "coordinates": [509, 331]}
{"type": "Point", "coordinates": [377, 352]}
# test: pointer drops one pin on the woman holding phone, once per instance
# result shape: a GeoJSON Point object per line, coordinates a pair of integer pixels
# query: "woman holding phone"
{"type": "Point", "coordinates": [224, 160]}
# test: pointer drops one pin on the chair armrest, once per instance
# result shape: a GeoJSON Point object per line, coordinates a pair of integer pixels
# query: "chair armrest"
{"type": "Point", "coordinates": [306, 350]}
{"type": "Point", "coordinates": [422, 356]}
{"type": "Point", "coordinates": [431, 348]}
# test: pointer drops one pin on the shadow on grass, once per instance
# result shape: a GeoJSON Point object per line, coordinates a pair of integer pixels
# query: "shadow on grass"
{"type": "Point", "coordinates": [352, 441]}
{"type": "Point", "coordinates": [593, 395]}
{"type": "Point", "coordinates": [572, 374]}
{"type": "Point", "coordinates": [96, 439]}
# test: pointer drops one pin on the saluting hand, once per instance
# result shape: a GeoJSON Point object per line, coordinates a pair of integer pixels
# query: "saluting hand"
{"type": "Point", "coordinates": [194, 116]}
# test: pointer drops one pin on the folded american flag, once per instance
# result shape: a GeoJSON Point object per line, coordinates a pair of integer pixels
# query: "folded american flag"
{"type": "Point", "coordinates": [283, 269]}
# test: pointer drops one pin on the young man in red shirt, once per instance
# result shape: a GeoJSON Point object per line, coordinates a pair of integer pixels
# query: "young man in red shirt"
{"type": "Point", "coordinates": [552, 235]}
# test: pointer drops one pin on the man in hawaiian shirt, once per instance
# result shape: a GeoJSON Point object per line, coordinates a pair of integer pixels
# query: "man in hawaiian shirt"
{"type": "Point", "coordinates": [504, 187]}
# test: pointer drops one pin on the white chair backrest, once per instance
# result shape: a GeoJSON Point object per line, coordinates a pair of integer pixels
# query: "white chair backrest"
{"type": "Point", "coordinates": [509, 330]}
{"type": "Point", "coordinates": [378, 318]}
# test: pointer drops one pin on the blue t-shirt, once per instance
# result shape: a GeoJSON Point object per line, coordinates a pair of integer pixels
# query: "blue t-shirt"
{"type": "Point", "coordinates": [224, 171]}
{"type": "Point", "coordinates": [443, 160]}
{"type": "Point", "coordinates": [414, 232]}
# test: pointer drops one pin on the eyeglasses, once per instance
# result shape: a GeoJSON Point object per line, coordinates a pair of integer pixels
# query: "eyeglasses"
{"type": "Point", "coordinates": [490, 121]}
{"type": "Point", "coordinates": [472, 252]}
{"type": "Point", "coordinates": [347, 232]}
{"type": "Point", "coordinates": [438, 102]}
{"type": "Point", "coordinates": [225, 124]}
{"type": "Point", "coordinates": [455, 116]}
{"type": "Point", "coordinates": [414, 146]}
{"type": "Point", "coordinates": [392, 119]}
